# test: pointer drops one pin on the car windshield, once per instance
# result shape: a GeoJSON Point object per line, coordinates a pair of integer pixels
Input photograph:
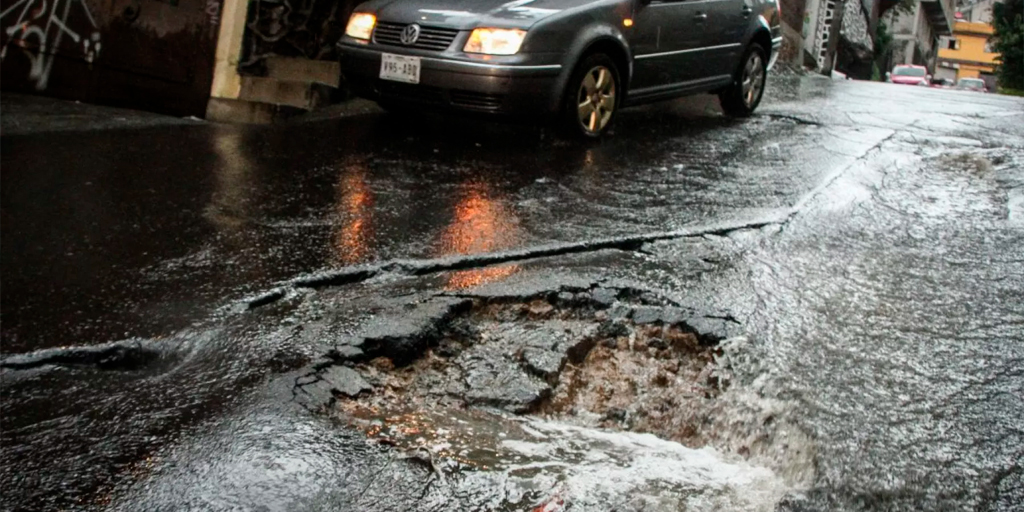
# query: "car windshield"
{"type": "Point", "coordinates": [908, 71]}
{"type": "Point", "coordinates": [973, 83]}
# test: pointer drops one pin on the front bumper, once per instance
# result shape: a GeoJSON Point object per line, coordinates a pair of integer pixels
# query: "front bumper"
{"type": "Point", "coordinates": [454, 83]}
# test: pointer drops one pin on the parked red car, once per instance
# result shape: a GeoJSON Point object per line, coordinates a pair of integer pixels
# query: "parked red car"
{"type": "Point", "coordinates": [909, 75]}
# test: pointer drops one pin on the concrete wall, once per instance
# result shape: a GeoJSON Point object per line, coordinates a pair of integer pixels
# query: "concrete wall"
{"type": "Point", "coordinates": [978, 12]}
{"type": "Point", "coordinates": [914, 39]}
{"type": "Point", "coordinates": [947, 73]}
{"type": "Point", "coordinates": [793, 13]}
{"type": "Point", "coordinates": [150, 54]}
{"type": "Point", "coordinates": [926, 40]}
{"type": "Point", "coordinates": [822, 24]}
{"type": "Point", "coordinates": [792, 24]}
{"type": "Point", "coordinates": [903, 23]}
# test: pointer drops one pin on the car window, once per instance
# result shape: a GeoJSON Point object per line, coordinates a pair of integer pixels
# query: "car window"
{"type": "Point", "coordinates": [972, 82]}
{"type": "Point", "coordinates": [908, 71]}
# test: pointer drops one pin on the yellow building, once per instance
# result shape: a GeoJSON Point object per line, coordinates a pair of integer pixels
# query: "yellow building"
{"type": "Point", "coordinates": [967, 53]}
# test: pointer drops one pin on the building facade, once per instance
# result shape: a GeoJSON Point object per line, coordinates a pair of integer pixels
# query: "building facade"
{"type": "Point", "coordinates": [967, 53]}
{"type": "Point", "coordinates": [977, 11]}
{"type": "Point", "coordinates": [916, 33]}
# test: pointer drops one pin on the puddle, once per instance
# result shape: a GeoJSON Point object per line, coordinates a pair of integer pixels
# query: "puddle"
{"type": "Point", "coordinates": [563, 405]}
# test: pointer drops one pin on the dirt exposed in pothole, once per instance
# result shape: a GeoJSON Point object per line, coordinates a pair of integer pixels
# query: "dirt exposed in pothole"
{"type": "Point", "coordinates": [619, 365]}
{"type": "Point", "coordinates": [655, 379]}
{"type": "Point", "coordinates": [580, 398]}
{"type": "Point", "coordinates": [539, 358]}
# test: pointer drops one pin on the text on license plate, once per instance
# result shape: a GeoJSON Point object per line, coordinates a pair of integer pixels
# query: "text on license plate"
{"type": "Point", "coordinates": [400, 68]}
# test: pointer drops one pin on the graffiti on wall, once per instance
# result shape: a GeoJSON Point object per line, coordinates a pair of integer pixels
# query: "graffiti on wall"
{"type": "Point", "coordinates": [213, 13]}
{"type": "Point", "coordinates": [295, 28]}
{"type": "Point", "coordinates": [39, 27]}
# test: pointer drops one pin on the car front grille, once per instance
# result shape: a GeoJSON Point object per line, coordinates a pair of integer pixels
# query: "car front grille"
{"type": "Point", "coordinates": [477, 100]}
{"type": "Point", "coordinates": [431, 38]}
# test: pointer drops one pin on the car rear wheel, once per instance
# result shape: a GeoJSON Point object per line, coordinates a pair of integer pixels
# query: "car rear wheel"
{"type": "Point", "coordinates": [591, 97]}
{"type": "Point", "coordinates": [741, 97]}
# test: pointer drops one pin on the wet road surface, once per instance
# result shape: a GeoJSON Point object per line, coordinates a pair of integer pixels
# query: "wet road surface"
{"type": "Point", "coordinates": [133, 234]}
{"type": "Point", "coordinates": [860, 290]}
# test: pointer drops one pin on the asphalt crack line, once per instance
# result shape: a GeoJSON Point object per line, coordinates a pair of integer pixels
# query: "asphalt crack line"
{"type": "Point", "coordinates": [831, 178]}
{"type": "Point", "coordinates": [796, 119]}
{"type": "Point", "coordinates": [408, 267]}
{"type": "Point", "coordinates": [632, 243]}
{"type": "Point", "coordinates": [124, 354]}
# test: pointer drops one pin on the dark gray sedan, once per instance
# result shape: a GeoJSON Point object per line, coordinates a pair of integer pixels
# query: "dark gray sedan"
{"type": "Point", "coordinates": [577, 60]}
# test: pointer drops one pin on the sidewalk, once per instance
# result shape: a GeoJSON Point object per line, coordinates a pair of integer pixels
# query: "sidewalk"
{"type": "Point", "coordinates": [22, 114]}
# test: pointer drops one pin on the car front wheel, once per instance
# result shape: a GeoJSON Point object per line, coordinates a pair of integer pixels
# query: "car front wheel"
{"type": "Point", "coordinates": [741, 97]}
{"type": "Point", "coordinates": [591, 97]}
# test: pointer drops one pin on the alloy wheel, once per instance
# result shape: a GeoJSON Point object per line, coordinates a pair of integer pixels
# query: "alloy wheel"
{"type": "Point", "coordinates": [753, 80]}
{"type": "Point", "coordinates": [596, 99]}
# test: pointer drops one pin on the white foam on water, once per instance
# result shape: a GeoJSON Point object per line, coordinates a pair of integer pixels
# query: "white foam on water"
{"type": "Point", "coordinates": [595, 469]}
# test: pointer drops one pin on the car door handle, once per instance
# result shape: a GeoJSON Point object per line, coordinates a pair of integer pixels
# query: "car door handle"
{"type": "Point", "coordinates": [700, 16]}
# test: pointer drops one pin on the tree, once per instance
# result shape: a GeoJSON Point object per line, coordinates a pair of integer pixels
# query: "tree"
{"type": "Point", "coordinates": [1008, 20]}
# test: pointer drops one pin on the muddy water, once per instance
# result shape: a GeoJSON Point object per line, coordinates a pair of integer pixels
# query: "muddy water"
{"type": "Point", "coordinates": [529, 463]}
{"type": "Point", "coordinates": [648, 407]}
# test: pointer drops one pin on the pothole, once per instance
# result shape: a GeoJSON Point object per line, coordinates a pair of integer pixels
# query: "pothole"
{"type": "Point", "coordinates": [545, 395]}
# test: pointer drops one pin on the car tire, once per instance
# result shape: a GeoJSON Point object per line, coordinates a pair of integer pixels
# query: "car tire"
{"type": "Point", "coordinates": [591, 98]}
{"type": "Point", "coordinates": [740, 98]}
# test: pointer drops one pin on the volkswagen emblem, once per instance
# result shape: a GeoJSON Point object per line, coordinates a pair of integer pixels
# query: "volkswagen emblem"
{"type": "Point", "coordinates": [410, 34]}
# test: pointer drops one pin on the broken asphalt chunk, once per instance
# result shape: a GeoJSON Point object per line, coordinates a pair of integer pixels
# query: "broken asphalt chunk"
{"type": "Point", "coordinates": [672, 315]}
{"type": "Point", "coordinates": [710, 330]}
{"type": "Point", "coordinates": [403, 338]}
{"type": "Point", "coordinates": [347, 353]}
{"type": "Point", "coordinates": [545, 364]}
{"type": "Point", "coordinates": [620, 311]}
{"type": "Point", "coordinates": [345, 381]}
{"type": "Point", "coordinates": [643, 315]}
{"type": "Point", "coordinates": [604, 297]}
{"type": "Point", "coordinates": [317, 390]}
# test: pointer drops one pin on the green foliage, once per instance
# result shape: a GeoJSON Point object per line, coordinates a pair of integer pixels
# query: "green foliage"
{"type": "Point", "coordinates": [1011, 92]}
{"type": "Point", "coordinates": [1008, 20]}
{"type": "Point", "coordinates": [883, 39]}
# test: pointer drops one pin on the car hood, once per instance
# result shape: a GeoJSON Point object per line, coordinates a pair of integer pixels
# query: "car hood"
{"type": "Point", "coordinates": [466, 14]}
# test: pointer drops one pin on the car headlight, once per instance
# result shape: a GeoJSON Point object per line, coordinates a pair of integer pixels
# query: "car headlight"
{"type": "Point", "coordinates": [360, 25]}
{"type": "Point", "coordinates": [495, 41]}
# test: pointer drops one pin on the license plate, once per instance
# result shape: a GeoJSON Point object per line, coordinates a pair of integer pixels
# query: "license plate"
{"type": "Point", "coordinates": [400, 68]}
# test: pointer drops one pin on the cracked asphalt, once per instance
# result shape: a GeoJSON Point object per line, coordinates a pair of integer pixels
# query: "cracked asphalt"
{"type": "Point", "coordinates": [188, 309]}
